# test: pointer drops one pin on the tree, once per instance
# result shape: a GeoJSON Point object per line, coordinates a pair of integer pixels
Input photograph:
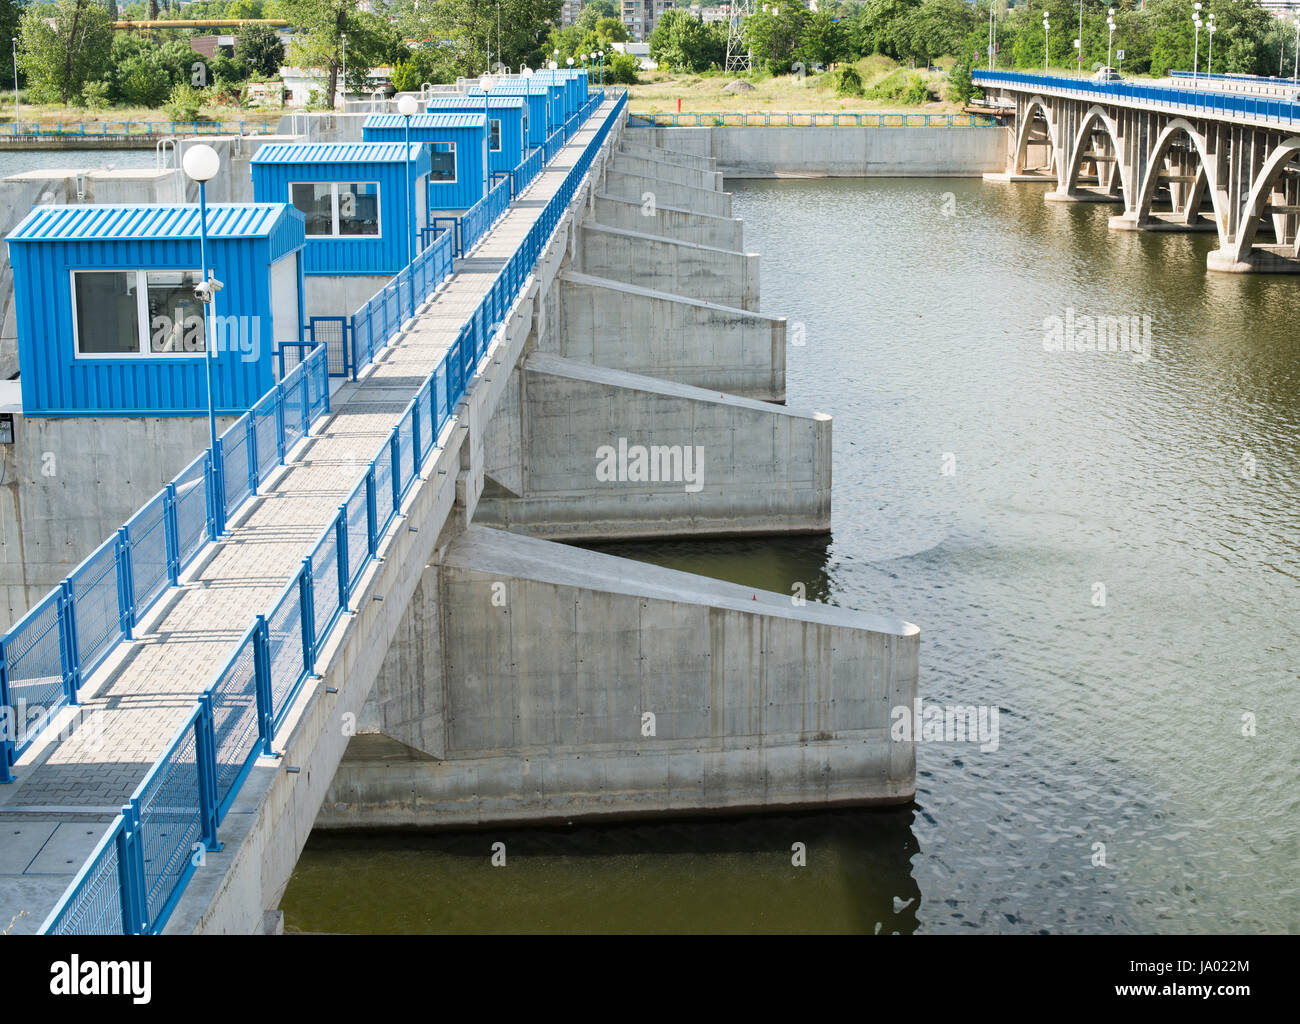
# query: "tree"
{"type": "Point", "coordinates": [59, 59]}
{"type": "Point", "coordinates": [621, 69]}
{"type": "Point", "coordinates": [685, 43]}
{"type": "Point", "coordinates": [260, 48]}
{"type": "Point", "coordinates": [372, 41]}
{"type": "Point", "coordinates": [823, 40]}
{"type": "Point", "coordinates": [774, 37]}
{"type": "Point", "coordinates": [469, 29]}
{"type": "Point", "coordinates": [10, 16]}
{"type": "Point", "coordinates": [936, 28]}
{"type": "Point", "coordinates": [961, 87]}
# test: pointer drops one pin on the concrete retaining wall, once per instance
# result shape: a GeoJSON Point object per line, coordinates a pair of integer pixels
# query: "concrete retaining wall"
{"type": "Point", "coordinates": [841, 151]}
{"type": "Point", "coordinates": [647, 152]}
{"type": "Point", "coordinates": [667, 222]}
{"type": "Point", "coordinates": [536, 696]}
{"type": "Point", "coordinates": [625, 327]}
{"type": "Point", "coordinates": [766, 469]}
{"type": "Point", "coordinates": [640, 189]}
{"type": "Point", "coordinates": [666, 265]}
{"type": "Point", "coordinates": [651, 168]}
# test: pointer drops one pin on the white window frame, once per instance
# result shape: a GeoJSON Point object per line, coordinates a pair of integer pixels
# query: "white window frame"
{"type": "Point", "coordinates": [455, 164]}
{"type": "Point", "coordinates": [142, 315]}
{"type": "Point", "coordinates": [334, 209]}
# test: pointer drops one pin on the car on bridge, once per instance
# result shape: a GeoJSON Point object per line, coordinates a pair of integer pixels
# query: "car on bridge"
{"type": "Point", "coordinates": [1106, 75]}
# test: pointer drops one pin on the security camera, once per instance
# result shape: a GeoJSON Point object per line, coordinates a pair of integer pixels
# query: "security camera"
{"type": "Point", "coordinates": [205, 291]}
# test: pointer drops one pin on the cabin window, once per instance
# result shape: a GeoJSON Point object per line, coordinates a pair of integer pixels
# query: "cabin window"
{"type": "Point", "coordinates": [137, 312]}
{"type": "Point", "coordinates": [494, 135]}
{"type": "Point", "coordinates": [444, 162]}
{"type": "Point", "coordinates": [338, 209]}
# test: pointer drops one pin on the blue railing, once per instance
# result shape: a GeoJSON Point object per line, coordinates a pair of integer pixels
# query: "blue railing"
{"type": "Point", "coordinates": [1204, 101]}
{"type": "Point", "coordinates": [381, 317]}
{"type": "Point", "coordinates": [552, 145]}
{"type": "Point", "coordinates": [529, 168]}
{"type": "Point", "coordinates": [480, 217]}
{"type": "Point", "coordinates": [571, 127]}
{"type": "Point", "coordinates": [48, 655]}
{"type": "Point", "coordinates": [92, 129]}
{"type": "Point", "coordinates": [1244, 79]}
{"type": "Point", "coordinates": [139, 869]}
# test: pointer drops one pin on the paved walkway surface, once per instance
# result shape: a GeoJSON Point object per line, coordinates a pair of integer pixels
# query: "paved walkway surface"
{"type": "Point", "coordinates": [64, 796]}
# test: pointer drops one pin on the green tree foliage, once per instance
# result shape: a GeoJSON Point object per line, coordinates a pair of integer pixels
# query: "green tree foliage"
{"type": "Point", "coordinates": [469, 29]}
{"type": "Point", "coordinates": [824, 39]}
{"type": "Point", "coordinates": [258, 47]}
{"type": "Point", "coordinates": [621, 69]}
{"type": "Point", "coordinates": [371, 41]}
{"type": "Point", "coordinates": [10, 16]}
{"type": "Point", "coordinates": [774, 37]}
{"type": "Point", "coordinates": [684, 43]}
{"type": "Point", "coordinates": [848, 82]}
{"type": "Point", "coordinates": [961, 87]}
{"type": "Point", "coordinates": [58, 60]}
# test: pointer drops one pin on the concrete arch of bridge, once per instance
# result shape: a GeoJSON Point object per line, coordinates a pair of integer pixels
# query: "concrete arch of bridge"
{"type": "Point", "coordinates": [1273, 169]}
{"type": "Point", "coordinates": [1095, 116]}
{"type": "Point", "coordinates": [1205, 180]}
{"type": "Point", "coordinates": [1037, 105]}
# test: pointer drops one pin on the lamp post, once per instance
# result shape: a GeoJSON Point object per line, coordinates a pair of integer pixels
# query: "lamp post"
{"type": "Point", "coordinates": [1047, 44]}
{"type": "Point", "coordinates": [14, 44]}
{"type": "Point", "coordinates": [344, 37]}
{"type": "Point", "coordinates": [1110, 38]}
{"type": "Point", "coordinates": [1078, 42]}
{"type": "Point", "coordinates": [1295, 75]}
{"type": "Point", "coordinates": [992, 35]}
{"type": "Point", "coordinates": [1209, 67]}
{"type": "Point", "coordinates": [1196, 46]}
{"type": "Point", "coordinates": [407, 106]}
{"type": "Point", "coordinates": [201, 164]}
{"type": "Point", "coordinates": [601, 71]}
{"type": "Point", "coordinates": [485, 83]}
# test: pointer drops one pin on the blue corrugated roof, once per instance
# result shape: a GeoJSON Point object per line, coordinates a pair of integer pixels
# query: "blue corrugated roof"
{"type": "Point", "coordinates": [113, 222]}
{"type": "Point", "coordinates": [425, 121]}
{"type": "Point", "coordinates": [474, 101]}
{"type": "Point", "coordinates": [517, 87]}
{"type": "Point", "coordinates": [337, 153]}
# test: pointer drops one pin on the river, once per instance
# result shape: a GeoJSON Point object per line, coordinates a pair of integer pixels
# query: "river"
{"type": "Point", "coordinates": [1102, 545]}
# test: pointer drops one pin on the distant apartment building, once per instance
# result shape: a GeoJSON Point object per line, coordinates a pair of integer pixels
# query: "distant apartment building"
{"type": "Point", "coordinates": [569, 11]}
{"type": "Point", "coordinates": [639, 16]}
{"type": "Point", "coordinates": [721, 13]}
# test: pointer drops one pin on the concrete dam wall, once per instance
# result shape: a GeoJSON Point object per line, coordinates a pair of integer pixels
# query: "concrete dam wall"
{"type": "Point", "coordinates": [838, 151]}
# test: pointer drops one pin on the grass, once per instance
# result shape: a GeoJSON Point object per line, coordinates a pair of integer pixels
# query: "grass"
{"type": "Point", "coordinates": [658, 93]}
{"type": "Point", "coordinates": [57, 112]}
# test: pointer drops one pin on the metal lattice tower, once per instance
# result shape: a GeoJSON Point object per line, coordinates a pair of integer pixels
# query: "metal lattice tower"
{"type": "Point", "coordinates": [739, 57]}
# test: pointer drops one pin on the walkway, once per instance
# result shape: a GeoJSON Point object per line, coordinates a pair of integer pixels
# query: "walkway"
{"type": "Point", "coordinates": [66, 793]}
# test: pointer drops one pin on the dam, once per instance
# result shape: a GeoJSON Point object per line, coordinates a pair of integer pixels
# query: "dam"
{"type": "Point", "coordinates": [523, 679]}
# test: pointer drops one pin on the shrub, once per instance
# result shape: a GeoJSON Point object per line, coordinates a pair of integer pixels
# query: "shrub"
{"type": "Point", "coordinates": [848, 82]}
{"type": "Point", "coordinates": [184, 102]}
{"type": "Point", "coordinates": [94, 95]}
{"type": "Point", "coordinates": [917, 91]}
{"type": "Point", "coordinates": [622, 69]}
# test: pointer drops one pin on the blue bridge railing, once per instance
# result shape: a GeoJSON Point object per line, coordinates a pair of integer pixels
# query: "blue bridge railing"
{"type": "Point", "coordinates": [140, 867]}
{"type": "Point", "coordinates": [529, 168]}
{"type": "Point", "coordinates": [1205, 101]}
{"type": "Point", "coordinates": [51, 651]}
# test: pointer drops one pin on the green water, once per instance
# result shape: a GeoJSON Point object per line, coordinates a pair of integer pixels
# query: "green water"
{"type": "Point", "coordinates": [1173, 482]}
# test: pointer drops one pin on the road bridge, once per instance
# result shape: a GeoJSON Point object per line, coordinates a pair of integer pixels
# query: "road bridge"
{"type": "Point", "coordinates": [1174, 158]}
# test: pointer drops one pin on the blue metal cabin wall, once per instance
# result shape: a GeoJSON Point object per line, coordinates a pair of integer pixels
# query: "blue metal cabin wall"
{"type": "Point", "coordinates": [467, 189]}
{"type": "Point", "coordinates": [508, 157]}
{"type": "Point", "coordinates": [536, 118]}
{"type": "Point", "coordinates": [56, 383]}
{"type": "Point", "coordinates": [385, 254]}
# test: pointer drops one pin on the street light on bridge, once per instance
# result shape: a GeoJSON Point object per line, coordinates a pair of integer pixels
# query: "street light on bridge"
{"type": "Point", "coordinates": [1196, 48]}
{"type": "Point", "coordinates": [1110, 38]}
{"type": "Point", "coordinates": [1047, 44]}
{"type": "Point", "coordinates": [1209, 69]}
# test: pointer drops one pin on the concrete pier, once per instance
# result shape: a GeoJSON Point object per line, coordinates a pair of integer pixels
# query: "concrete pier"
{"type": "Point", "coordinates": [534, 682]}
